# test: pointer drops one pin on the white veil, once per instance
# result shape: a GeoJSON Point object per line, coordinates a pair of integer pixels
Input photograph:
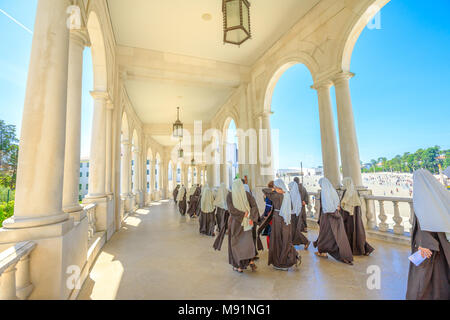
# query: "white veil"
{"type": "Point", "coordinates": [206, 204]}
{"type": "Point", "coordinates": [221, 197]}
{"type": "Point", "coordinates": [285, 210]}
{"type": "Point", "coordinates": [431, 202]}
{"type": "Point", "coordinates": [328, 196]}
{"type": "Point", "coordinates": [240, 202]}
{"type": "Point", "coordinates": [296, 198]}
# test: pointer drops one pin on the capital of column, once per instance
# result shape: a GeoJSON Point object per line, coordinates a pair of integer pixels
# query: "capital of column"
{"type": "Point", "coordinates": [264, 114]}
{"type": "Point", "coordinates": [109, 104]}
{"type": "Point", "coordinates": [101, 95]}
{"type": "Point", "coordinates": [80, 37]}
{"type": "Point", "coordinates": [341, 77]}
{"type": "Point", "coordinates": [324, 84]}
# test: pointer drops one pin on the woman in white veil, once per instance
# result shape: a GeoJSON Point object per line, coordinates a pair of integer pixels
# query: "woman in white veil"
{"type": "Point", "coordinates": [351, 214]}
{"type": "Point", "coordinates": [430, 236]}
{"type": "Point", "coordinates": [220, 202]}
{"type": "Point", "coordinates": [207, 218]}
{"type": "Point", "coordinates": [244, 215]}
{"type": "Point", "coordinates": [332, 237]}
{"type": "Point", "coordinates": [297, 236]}
{"type": "Point", "coordinates": [282, 253]}
{"type": "Point", "coordinates": [181, 200]}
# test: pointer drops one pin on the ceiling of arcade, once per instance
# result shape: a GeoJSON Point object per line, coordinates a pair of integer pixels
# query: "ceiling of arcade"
{"type": "Point", "coordinates": [170, 56]}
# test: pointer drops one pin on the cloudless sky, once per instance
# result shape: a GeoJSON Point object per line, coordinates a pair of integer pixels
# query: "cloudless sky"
{"type": "Point", "coordinates": [401, 91]}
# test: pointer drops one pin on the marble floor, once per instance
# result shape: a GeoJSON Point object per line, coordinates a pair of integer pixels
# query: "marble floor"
{"type": "Point", "coordinates": [160, 255]}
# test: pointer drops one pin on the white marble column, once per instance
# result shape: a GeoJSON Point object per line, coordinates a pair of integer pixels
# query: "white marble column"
{"type": "Point", "coordinates": [136, 171]}
{"type": "Point", "coordinates": [38, 199]}
{"type": "Point", "coordinates": [78, 40]}
{"type": "Point", "coordinates": [351, 165]}
{"type": "Point", "coordinates": [266, 158]}
{"type": "Point", "coordinates": [97, 159]}
{"type": "Point", "coordinates": [328, 133]}
{"type": "Point", "coordinates": [109, 155]}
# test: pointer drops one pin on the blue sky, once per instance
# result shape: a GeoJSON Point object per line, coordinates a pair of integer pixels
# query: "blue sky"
{"type": "Point", "coordinates": [401, 92]}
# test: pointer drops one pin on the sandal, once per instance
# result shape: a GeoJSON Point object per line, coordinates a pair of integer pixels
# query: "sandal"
{"type": "Point", "coordinates": [347, 262]}
{"type": "Point", "coordinates": [253, 266]}
{"type": "Point", "coordinates": [307, 245]}
{"type": "Point", "coordinates": [237, 270]}
{"type": "Point", "coordinates": [321, 255]}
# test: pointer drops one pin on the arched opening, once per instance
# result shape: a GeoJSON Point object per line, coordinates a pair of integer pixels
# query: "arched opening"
{"type": "Point", "coordinates": [170, 177]}
{"type": "Point", "coordinates": [157, 172]}
{"type": "Point", "coordinates": [295, 125]}
{"type": "Point", "coordinates": [135, 164]}
{"type": "Point", "coordinates": [149, 171]}
{"type": "Point", "coordinates": [178, 174]}
{"type": "Point", "coordinates": [124, 156]}
{"type": "Point", "coordinates": [396, 96]}
{"type": "Point", "coordinates": [231, 151]}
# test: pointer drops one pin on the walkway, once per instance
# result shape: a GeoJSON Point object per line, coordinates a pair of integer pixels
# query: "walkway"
{"type": "Point", "coordinates": [160, 255]}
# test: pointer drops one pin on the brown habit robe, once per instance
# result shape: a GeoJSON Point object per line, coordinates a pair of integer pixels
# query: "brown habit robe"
{"type": "Point", "coordinates": [282, 253]}
{"type": "Point", "coordinates": [182, 205]}
{"type": "Point", "coordinates": [356, 234]}
{"type": "Point", "coordinates": [305, 197]}
{"type": "Point", "coordinates": [431, 279]}
{"type": "Point", "coordinates": [175, 193]}
{"type": "Point", "coordinates": [241, 244]}
{"type": "Point", "coordinates": [194, 202]}
{"type": "Point", "coordinates": [332, 237]}
{"type": "Point", "coordinates": [298, 238]}
{"type": "Point", "coordinates": [207, 223]}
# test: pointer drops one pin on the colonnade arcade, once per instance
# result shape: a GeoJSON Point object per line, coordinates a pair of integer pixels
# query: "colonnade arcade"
{"type": "Point", "coordinates": [129, 165]}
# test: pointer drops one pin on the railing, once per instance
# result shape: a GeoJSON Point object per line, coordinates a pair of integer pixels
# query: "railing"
{"type": "Point", "coordinates": [396, 218]}
{"type": "Point", "coordinates": [92, 219]}
{"type": "Point", "coordinates": [399, 223]}
{"type": "Point", "coordinates": [15, 280]}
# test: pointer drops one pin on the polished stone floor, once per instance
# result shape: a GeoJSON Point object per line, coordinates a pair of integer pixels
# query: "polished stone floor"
{"type": "Point", "coordinates": [160, 255]}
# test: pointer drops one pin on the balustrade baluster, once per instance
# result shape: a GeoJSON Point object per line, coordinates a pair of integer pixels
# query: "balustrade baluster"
{"type": "Point", "coordinates": [398, 228]}
{"type": "Point", "coordinates": [383, 226]}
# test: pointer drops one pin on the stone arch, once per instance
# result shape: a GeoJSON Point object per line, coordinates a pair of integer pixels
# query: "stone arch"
{"type": "Point", "coordinates": [354, 30]}
{"type": "Point", "coordinates": [280, 68]}
{"type": "Point", "coordinates": [98, 50]}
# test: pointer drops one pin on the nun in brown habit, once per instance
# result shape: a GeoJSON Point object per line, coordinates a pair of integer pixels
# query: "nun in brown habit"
{"type": "Point", "coordinates": [297, 236]}
{"type": "Point", "coordinates": [190, 202]}
{"type": "Point", "coordinates": [194, 203]}
{"type": "Point", "coordinates": [244, 215]}
{"type": "Point", "coordinates": [181, 200]}
{"type": "Point", "coordinates": [351, 214]}
{"type": "Point", "coordinates": [175, 193]}
{"type": "Point", "coordinates": [332, 237]}
{"type": "Point", "coordinates": [220, 202]}
{"type": "Point", "coordinates": [207, 218]}
{"type": "Point", "coordinates": [430, 235]}
{"type": "Point", "coordinates": [305, 202]}
{"type": "Point", "coordinates": [282, 253]}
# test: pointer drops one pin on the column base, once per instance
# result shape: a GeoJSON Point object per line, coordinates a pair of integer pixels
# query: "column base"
{"type": "Point", "coordinates": [20, 223]}
{"type": "Point", "coordinates": [61, 252]}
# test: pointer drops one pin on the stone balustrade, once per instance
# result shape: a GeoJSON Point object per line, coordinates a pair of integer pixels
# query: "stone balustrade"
{"type": "Point", "coordinates": [380, 220]}
{"type": "Point", "coordinates": [15, 271]}
{"type": "Point", "coordinates": [92, 219]}
{"type": "Point", "coordinates": [394, 215]}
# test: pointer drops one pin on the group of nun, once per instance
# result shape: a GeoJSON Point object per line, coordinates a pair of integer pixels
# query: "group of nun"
{"type": "Point", "coordinates": [341, 230]}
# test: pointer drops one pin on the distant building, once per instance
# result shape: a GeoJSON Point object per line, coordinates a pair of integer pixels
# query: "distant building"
{"type": "Point", "coordinates": [84, 178]}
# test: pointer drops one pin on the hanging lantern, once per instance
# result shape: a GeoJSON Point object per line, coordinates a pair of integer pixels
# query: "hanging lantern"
{"type": "Point", "coordinates": [178, 126]}
{"type": "Point", "coordinates": [193, 161]}
{"type": "Point", "coordinates": [236, 21]}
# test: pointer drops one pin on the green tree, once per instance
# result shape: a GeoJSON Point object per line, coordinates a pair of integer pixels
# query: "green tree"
{"type": "Point", "coordinates": [8, 155]}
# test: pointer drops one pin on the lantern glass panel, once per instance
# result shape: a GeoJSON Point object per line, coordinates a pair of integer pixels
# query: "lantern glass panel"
{"type": "Point", "coordinates": [245, 19]}
{"type": "Point", "coordinates": [233, 13]}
